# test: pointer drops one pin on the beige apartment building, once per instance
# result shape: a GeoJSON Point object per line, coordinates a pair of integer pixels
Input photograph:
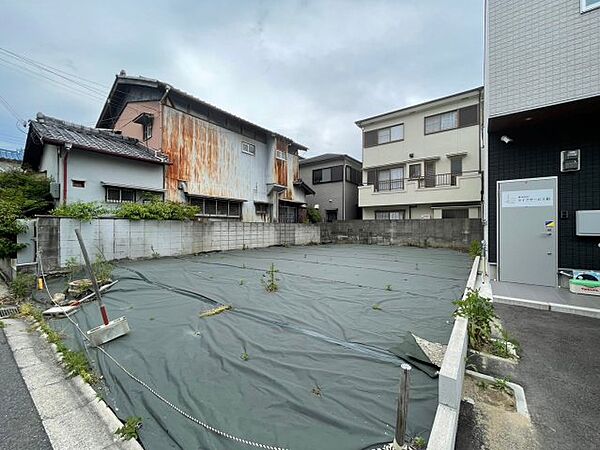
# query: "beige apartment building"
{"type": "Point", "coordinates": [424, 161]}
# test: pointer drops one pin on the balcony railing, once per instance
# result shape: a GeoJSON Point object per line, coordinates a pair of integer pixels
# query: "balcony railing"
{"type": "Point", "coordinates": [390, 185]}
{"type": "Point", "coordinates": [442, 179]}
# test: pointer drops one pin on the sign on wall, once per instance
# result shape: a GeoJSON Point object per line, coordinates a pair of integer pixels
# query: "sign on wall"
{"type": "Point", "coordinates": [523, 199]}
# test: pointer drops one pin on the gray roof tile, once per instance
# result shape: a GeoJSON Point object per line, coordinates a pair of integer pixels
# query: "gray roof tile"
{"type": "Point", "coordinates": [54, 130]}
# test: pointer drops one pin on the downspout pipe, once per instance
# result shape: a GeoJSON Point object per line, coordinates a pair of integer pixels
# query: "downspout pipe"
{"type": "Point", "coordinates": [66, 148]}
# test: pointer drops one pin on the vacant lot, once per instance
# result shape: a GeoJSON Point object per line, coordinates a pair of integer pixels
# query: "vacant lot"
{"type": "Point", "coordinates": [304, 367]}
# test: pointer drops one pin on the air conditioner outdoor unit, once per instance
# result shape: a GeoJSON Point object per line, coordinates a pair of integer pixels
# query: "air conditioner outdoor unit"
{"type": "Point", "coordinates": [569, 161]}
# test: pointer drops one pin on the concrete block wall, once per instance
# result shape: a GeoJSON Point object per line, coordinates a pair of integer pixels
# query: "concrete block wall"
{"type": "Point", "coordinates": [121, 238]}
{"type": "Point", "coordinates": [449, 233]}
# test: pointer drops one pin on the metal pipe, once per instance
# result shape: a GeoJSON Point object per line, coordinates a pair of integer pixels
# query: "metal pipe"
{"type": "Point", "coordinates": [402, 415]}
{"type": "Point", "coordinates": [90, 272]}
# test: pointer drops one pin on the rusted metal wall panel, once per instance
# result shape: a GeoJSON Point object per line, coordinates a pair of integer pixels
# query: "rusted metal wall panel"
{"type": "Point", "coordinates": [209, 159]}
{"type": "Point", "coordinates": [287, 171]}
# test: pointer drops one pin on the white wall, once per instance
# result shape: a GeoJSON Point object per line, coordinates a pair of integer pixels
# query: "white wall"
{"type": "Point", "coordinates": [121, 238]}
{"type": "Point", "coordinates": [95, 168]}
{"type": "Point", "coordinates": [540, 53]}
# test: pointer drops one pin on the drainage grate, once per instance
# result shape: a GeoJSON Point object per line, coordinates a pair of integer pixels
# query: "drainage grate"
{"type": "Point", "coordinates": [7, 311]}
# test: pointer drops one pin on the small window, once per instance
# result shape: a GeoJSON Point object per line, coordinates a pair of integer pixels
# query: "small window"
{"type": "Point", "coordinates": [414, 171]}
{"type": "Point", "coordinates": [455, 213]}
{"type": "Point", "coordinates": [261, 209]}
{"type": "Point", "coordinates": [384, 135]}
{"type": "Point", "coordinates": [389, 215]}
{"type": "Point", "coordinates": [119, 195]}
{"type": "Point", "coordinates": [127, 195]}
{"type": "Point", "coordinates": [279, 154]}
{"type": "Point", "coordinates": [441, 122]}
{"type": "Point", "coordinates": [235, 209]}
{"type": "Point", "coordinates": [78, 183]}
{"type": "Point", "coordinates": [147, 130]}
{"type": "Point", "coordinates": [248, 148]}
{"type": "Point", "coordinates": [456, 165]}
{"type": "Point", "coordinates": [222, 208]}
{"type": "Point", "coordinates": [113, 195]}
{"type": "Point", "coordinates": [587, 5]}
{"type": "Point", "coordinates": [210, 207]}
{"type": "Point", "coordinates": [353, 176]}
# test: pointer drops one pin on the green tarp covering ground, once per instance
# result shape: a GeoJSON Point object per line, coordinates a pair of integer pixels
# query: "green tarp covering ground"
{"type": "Point", "coordinates": [306, 367]}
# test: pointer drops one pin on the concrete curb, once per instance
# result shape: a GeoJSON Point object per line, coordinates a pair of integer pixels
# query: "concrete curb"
{"type": "Point", "coordinates": [521, 402]}
{"type": "Point", "coordinates": [548, 306]}
{"type": "Point", "coordinates": [47, 382]}
{"type": "Point", "coordinates": [452, 372]}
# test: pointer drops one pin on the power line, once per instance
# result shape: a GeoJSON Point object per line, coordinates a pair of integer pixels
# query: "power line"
{"type": "Point", "coordinates": [78, 85]}
{"type": "Point", "coordinates": [13, 112]}
{"type": "Point", "coordinates": [59, 72]}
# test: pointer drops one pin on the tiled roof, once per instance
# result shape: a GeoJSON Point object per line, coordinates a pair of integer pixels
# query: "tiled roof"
{"type": "Point", "coordinates": [327, 157]}
{"type": "Point", "coordinates": [54, 130]}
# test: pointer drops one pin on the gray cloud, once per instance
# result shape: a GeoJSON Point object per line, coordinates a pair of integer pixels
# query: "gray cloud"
{"type": "Point", "coordinates": [307, 69]}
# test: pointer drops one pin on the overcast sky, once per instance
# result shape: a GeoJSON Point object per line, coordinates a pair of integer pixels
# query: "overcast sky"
{"type": "Point", "coordinates": [306, 69]}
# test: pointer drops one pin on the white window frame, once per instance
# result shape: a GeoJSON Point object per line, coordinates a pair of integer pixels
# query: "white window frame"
{"type": "Point", "coordinates": [120, 200]}
{"type": "Point", "coordinates": [586, 8]}
{"type": "Point", "coordinates": [248, 148]}
{"type": "Point", "coordinates": [280, 154]}
{"type": "Point", "coordinates": [399, 214]}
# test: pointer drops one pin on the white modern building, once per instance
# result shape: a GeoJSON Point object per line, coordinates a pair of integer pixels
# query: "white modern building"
{"type": "Point", "coordinates": [424, 161]}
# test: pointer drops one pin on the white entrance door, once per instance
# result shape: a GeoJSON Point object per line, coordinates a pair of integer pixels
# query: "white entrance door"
{"type": "Point", "coordinates": [527, 231]}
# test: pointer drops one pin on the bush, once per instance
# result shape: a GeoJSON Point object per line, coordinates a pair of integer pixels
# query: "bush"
{"type": "Point", "coordinates": [22, 286]}
{"type": "Point", "coordinates": [29, 191]}
{"type": "Point", "coordinates": [480, 313]}
{"type": "Point", "coordinates": [157, 210]}
{"type": "Point", "coordinates": [10, 227]}
{"type": "Point", "coordinates": [84, 211]}
{"type": "Point", "coordinates": [314, 215]}
{"type": "Point", "coordinates": [22, 194]}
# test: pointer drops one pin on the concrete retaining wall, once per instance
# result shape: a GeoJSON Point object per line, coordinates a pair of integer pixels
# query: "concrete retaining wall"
{"type": "Point", "coordinates": [121, 238]}
{"type": "Point", "coordinates": [449, 233]}
{"type": "Point", "coordinates": [452, 374]}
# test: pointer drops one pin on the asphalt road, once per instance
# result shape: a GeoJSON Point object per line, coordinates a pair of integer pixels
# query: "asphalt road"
{"type": "Point", "coordinates": [20, 424]}
{"type": "Point", "coordinates": [560, 372]}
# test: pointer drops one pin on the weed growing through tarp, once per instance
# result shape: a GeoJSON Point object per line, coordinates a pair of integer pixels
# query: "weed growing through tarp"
{"type": "Point", "coordinates": [418, 442]}
{"type": "Point", "coordinates": [269, 280]}
{"type": "Point", "coordinates": [316, 390]}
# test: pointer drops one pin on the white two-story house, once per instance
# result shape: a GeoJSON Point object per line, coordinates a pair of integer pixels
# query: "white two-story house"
{"type": "Point", "coordinates": [424, 161]}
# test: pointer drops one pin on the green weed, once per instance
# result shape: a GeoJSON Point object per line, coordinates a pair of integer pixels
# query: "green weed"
{"type": "Point", "coordinates": [480, 313]}
{"type": "Point", "coordinates": [130, 429]}
{"type": "Point", "coordinates": [270, 279]}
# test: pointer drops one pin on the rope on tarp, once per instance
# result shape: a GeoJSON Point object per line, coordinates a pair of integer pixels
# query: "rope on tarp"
{"type": "Point", "coordinates": [154, 392]}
